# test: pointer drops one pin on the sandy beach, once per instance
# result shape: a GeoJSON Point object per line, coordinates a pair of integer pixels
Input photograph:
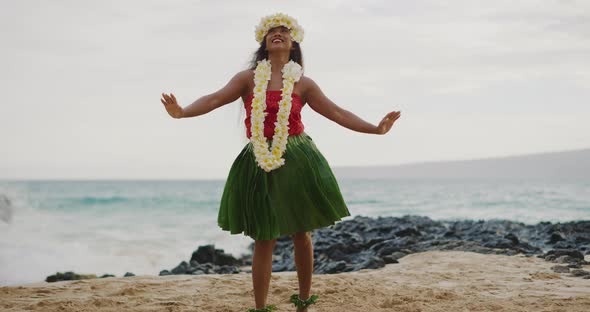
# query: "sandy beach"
{"type": "Point", "coordinates": [427, 281]}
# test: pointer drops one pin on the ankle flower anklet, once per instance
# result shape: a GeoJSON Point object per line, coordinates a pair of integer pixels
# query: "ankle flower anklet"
{"type": "Point", "coordinates": [268, 308]}
{"type": "Point", "coordinates": [303, 303]}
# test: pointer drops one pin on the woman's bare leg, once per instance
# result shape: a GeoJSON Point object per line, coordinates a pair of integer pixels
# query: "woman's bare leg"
{"type": "Point", "coordinates": [304, 262]}
{"type": "Point", "coordinates": [262, 269]}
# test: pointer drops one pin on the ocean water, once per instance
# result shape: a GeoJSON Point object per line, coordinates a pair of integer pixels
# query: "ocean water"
{"type": "Point", "coordinates": [146, 226]}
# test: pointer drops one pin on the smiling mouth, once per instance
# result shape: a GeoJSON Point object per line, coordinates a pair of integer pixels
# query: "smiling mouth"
{"type": "Point", "coordinates": [277, 40]}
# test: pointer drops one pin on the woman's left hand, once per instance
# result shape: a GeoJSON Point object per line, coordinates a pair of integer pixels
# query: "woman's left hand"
{"type": "Point", "coordinates": [387, 122]}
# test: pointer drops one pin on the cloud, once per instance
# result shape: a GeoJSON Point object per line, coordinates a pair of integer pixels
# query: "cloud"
{"type": "Point", "coordinates": [95, 69]}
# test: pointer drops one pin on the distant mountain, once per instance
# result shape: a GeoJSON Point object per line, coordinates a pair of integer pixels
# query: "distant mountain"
{"type": "Point", "coordinates": [555, 165]}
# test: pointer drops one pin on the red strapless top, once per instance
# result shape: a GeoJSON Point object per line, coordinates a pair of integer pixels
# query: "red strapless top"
{"type": "Point", "coordinates": [272, 107]}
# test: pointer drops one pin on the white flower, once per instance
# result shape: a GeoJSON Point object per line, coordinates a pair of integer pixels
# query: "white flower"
{"type": "Point", "coordinates": [292, 70]}
{"type": "Point", "coordinates": [271, 159]}
{"type": "Point", "coordinates": [275, 20]}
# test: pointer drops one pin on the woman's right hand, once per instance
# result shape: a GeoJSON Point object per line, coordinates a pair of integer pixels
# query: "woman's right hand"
{"type": "Point", "coordinates": [172, 107]}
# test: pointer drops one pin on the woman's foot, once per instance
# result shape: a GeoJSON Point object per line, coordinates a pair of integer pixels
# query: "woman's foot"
{"type": "Point", "coordinates": [302, 309]}
{"type": "Point", "coordinates": [267, 308]}
{"type": "Point", "coordinates": [302, 304]}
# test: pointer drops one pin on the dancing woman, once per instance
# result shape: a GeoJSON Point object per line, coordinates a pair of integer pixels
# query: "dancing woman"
{"type": "Point", "coordinates": [280, 183]}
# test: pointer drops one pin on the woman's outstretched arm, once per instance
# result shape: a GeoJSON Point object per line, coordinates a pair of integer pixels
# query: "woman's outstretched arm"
{"type": "Point", "coordinates": [324, 106]}
{"type": "Point", "coordinates": [230, 92]}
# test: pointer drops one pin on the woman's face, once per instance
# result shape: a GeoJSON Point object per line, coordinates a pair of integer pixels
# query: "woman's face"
{"type": "Point", "coordinates": [278, 39]}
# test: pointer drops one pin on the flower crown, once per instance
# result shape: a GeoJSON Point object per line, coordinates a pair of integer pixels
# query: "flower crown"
{"type": "Point", "coordinates": [279, 19]}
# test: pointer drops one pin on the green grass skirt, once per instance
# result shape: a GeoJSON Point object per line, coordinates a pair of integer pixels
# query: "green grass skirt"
{"type": "Point", "coordinates": [300, 196]}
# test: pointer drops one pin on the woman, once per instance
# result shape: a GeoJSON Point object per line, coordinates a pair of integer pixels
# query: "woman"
{"type": "Point", "coordinates": [280, 183]}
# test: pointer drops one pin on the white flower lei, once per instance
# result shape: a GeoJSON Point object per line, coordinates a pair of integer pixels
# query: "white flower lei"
{"type": "Point", "coordinates": [272, 159]}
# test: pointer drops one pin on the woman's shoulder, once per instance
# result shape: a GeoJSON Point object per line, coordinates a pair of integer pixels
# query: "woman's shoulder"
{"type": "Point", "coordinates": [246, 74]}
{"type": "Point", "coordinates": [245, 78]}
{"type": "Point", "coordinates": [306, 84]}
{"type": "Point", "coordinates": [306, 81]}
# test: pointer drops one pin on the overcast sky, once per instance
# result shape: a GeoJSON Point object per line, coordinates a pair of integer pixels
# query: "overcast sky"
{"type": "Point", "coordinates": [81, 81]}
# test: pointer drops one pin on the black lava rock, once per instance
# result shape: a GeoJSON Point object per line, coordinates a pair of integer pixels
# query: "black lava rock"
{"type": "Point", "coordinates": [206, 260]}
{"type": "Point", "coordinates": [208, 254]}
{"type": "Point", "coordinates": [357, 243]}
{"type": "Point", "coordinates": [68, 276]}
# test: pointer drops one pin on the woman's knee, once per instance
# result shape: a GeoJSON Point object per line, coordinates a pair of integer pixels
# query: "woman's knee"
{"type": "Point", "coordinates": [265, 243]}
{"type": "Point", "coordinates": [301, 237]}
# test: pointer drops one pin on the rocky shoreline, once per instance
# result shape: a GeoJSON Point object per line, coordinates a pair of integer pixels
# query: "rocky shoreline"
{"type": "Point", "coordinates": [370, 243]}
